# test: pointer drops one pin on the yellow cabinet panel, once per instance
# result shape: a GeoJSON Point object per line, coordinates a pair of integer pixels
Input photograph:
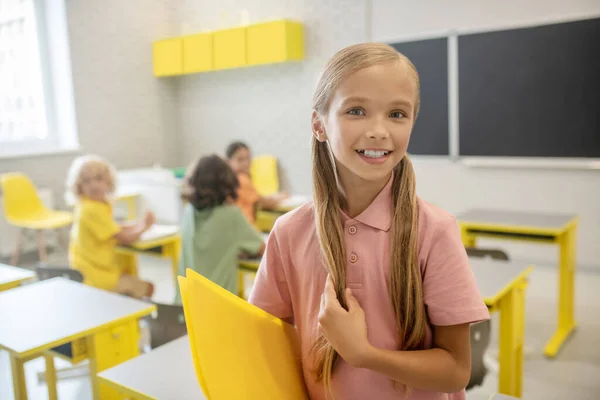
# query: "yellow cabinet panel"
{"type": "Point", "coordinates": [230, 48]}
{"type": "Point", "coordinates": [167, 56]}
{"type": "Point", "coordinates": [276, 41]}
{"type": "Point", "coordinates": [197, 53]}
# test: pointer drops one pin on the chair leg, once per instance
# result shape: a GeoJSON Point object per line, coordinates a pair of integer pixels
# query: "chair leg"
{"type": "Point", "coordinates": [42, 246]}
{"type": "Point", "coordinates": [14, 260]}
{"type": "Point", "coordinates": [64, 243]}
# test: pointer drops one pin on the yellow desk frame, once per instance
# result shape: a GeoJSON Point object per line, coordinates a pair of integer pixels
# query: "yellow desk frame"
{"type": "Point", "coordinates": [566, 239]}
{"type": "Point", "coordinates": [170, 247]}
{"type": "Point", "coordinates": [510, 303]}
{"type": "Point", "coordinates": [14, 284]}
{"type": "Point", "coordinates": [107, 346]}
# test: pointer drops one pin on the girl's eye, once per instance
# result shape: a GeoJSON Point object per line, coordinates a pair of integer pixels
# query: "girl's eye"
{"type": "Point", "coordinates": [397, 114]}
{"type": "Point", "coordinates": [356, 111]}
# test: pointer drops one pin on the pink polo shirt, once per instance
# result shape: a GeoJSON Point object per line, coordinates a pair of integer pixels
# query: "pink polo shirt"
{"type": "Point", "coordinates": [291, 279]}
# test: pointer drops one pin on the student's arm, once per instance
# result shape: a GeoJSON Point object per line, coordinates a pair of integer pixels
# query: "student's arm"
{"type": "Point", "coordinates": [452, 301]}
{"type": "Point", "coordinates": [130, 234]}
{"type": "Point", "coordinates": [271, 202]}
{"type": "Point", "coordinates": [444, 368]}
{"type": "Point", "coordinates": [249, 239]}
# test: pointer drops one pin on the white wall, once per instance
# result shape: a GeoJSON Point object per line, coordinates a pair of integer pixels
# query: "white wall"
{"type": "Point", "coordinates": [456, 187]}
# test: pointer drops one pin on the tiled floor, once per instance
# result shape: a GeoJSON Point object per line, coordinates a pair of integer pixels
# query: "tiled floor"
{"type": "Point", "coordinates": [575, 374]}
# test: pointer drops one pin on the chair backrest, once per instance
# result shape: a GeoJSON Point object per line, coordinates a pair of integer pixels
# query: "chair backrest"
{"type": "Point", "coordinates": [168, 325]}
{"type": "Point", "coordinates": [43, 272]}
{"type": "Point", "coordinates": [480, 340]}
{"type": "Point", "coordinates": [20, 197]}
{"type": "Point", "coordinates": [264, 175]}
{"type": "Point", "coordinates": [494, 254]}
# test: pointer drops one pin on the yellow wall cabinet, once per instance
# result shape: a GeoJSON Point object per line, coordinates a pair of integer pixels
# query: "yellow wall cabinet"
{"type": "Point", "coordinates": [198, 53]}
{"type": "Point", "coordinates": [230, 48]}
{"type": "Point", "coordinates": [275, 42]}
{"type": "Point", "coordinates": [168, 57]}
{"type": "Point", "coordinates": [264, 43]}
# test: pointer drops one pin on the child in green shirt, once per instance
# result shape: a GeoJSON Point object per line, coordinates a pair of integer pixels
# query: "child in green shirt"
{"type": "Point", "coordinates": [214, 232]}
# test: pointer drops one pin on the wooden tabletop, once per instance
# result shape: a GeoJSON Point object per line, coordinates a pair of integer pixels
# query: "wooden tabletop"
{"type": "Point", "coordinates": [517, 218]}
{"type": "Point", "coordinates": [10, 274]}
{"type": "Point", "coordinates": [167, 372]}
{"type": "Point", "coordinates": [495, 277]}
{"type": "Point", "coordinates": [37, 317]}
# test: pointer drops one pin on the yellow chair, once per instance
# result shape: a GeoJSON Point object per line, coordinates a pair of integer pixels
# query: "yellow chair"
{"type": "Point", "coordinates": [24, 209]}
{"type": "Point", "coordinates": [263, 173]}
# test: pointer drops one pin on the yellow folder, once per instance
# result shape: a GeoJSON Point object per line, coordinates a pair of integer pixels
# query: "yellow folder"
{"type": "Point", "coordinates": [239, 351]}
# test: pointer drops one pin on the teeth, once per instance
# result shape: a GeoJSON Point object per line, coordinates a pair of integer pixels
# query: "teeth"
{"type": "Point", "coordinates": [374, 153]}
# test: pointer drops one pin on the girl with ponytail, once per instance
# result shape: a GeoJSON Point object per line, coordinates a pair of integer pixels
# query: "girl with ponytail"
{"type": "Point", "coordinates": [375, 279]}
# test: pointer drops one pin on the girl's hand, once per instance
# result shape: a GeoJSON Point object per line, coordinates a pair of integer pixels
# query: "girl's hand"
{"type": "Point", "coordinates": [345, 330]}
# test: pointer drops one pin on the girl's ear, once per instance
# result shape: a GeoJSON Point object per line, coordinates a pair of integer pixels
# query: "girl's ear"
{"type": "Point", "coordinates": [318, 127]}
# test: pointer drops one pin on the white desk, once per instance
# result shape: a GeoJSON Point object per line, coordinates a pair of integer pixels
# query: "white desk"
{"type": "Point", "coordinates": [38, 317]}
{"type": "Point", "coordinates": [167, 372]}
{"type": "Point", "coordinates": [12, 277]}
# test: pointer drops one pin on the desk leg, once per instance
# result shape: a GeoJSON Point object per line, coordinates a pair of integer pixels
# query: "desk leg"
{"type": "Point", "coordinates": [241, 284]}
{"type": "Point", "coordinates": [51, 377]}
{"type": "Point", "coordinates": [172, 251]}
{"type": "Point", "coordinates": [128, 263]}
{"type": "Point", "coordinates": [131, 208]}
{"type": "Point", "coordinates": [18, 376]}
{"type": "Point", "coordinates": [468, 239]}
{"type": "Point", "coordinates": [566, 293]}
{"type": "Point", "coordinates": [512, 333]}
{"type": "Point", "coordinates": [109, 348]}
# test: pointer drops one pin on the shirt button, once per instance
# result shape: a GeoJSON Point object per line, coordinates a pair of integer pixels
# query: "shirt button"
{"type": "Point", "coordinates": [352, 230]}
{"type": "Point", "coordinates": [353, 258]}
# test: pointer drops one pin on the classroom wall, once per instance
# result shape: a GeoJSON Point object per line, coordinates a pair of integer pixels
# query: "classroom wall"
{"type": "Point", "coordinates": [268, 106]}
{"type": "Point", "coordinates": [457, 187]}
{"type": "Point", "coordinates": [123, 112]}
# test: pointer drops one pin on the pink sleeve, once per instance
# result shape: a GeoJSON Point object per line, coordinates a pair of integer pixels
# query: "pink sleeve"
{"type": "Point", "coordinates": [449, 288]}
{"type": "Point", "coordinates": [270, 291]}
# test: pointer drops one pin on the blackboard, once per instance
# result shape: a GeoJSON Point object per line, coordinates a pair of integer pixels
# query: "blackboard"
{"type": "Point", "coordinates": [430, 57]}
{"type": "Point", "coordinates": [532, 92]}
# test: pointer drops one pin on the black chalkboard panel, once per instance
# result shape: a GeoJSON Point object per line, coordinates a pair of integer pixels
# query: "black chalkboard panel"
{"type": "Point", "coordinates": [532, 92]}
{"type": "Point", "coordinates": [430, 134]}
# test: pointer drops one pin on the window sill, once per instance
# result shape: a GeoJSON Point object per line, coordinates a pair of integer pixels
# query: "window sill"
{"type": "Point", "coordinates": [32, 153]}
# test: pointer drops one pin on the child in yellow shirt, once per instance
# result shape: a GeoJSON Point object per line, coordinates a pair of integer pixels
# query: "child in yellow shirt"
{"type": "Point", "coordinates": [95, 234]}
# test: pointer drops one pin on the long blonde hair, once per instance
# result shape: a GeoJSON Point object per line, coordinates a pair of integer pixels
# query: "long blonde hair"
{"type": "Point", "coordinates": [405, 286]}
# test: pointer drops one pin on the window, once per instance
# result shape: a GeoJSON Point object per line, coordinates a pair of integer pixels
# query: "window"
{"type": "Point", "coordinates": [28, 71]}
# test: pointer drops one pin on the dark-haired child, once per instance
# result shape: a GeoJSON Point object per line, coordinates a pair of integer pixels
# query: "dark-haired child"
{"type": "Point", "coordinates": [214, 232]}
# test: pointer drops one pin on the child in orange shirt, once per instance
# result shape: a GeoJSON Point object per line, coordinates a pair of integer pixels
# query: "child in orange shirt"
{"type": "Point", "coordinates": [239, 158]}
{"type": "Point", "coordinates": [95, 234]}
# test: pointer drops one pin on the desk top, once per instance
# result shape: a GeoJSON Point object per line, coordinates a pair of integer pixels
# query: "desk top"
{"type": "Point", "coordinates": [167, 372]}
{"type": "Point", "coordinates": [10, 274]}
{"type": "Point", "coordinates": [495, 277]}
{"type": "Point", "coordinates": [536, 220]}
{"type": "Point", "coordinates": [292, 202]}
{"type": "Point", "coordinates": [46, 314]}
{"type": "Point", "coordinates": [502, 397]}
